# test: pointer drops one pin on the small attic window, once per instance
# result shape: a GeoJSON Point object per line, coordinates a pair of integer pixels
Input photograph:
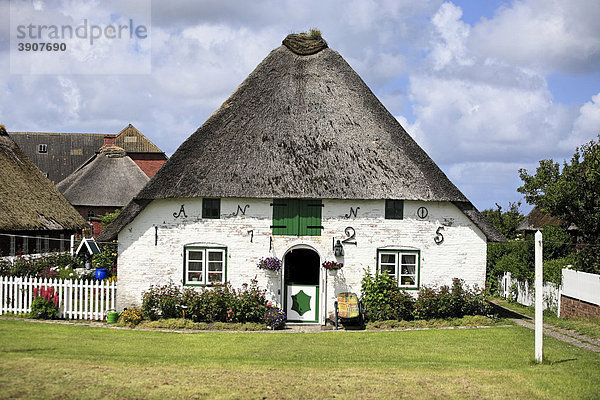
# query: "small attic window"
{"type": "Point", "coordinates": [211, 208]}
{"type": "Point", "coordinates": [394, 209]}
{"type": "Point", "coordinates": [42, 148]}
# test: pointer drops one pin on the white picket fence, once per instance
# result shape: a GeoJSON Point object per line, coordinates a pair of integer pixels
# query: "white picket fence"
{"type": "Point", "coordinates": [77, 299]}
{"type": "Point", "coordinates": [525, 294]}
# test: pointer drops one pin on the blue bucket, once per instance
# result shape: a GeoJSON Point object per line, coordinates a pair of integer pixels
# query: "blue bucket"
{"type": "Point", "coordinates": [100, 273]}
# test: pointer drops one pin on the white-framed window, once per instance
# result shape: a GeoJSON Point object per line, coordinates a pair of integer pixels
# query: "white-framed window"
{"type": "Point", "coordinates": [204, 266]}
{"type": "Point", "coordinates": [403, 265]}
{"type": "Point", "coordinates": [42, 148]}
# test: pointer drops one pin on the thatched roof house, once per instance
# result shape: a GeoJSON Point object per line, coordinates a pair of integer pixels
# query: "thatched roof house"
{"type": "Point", "coordinates": [106, 182]}
{"type": "Point", "coordinates": [302, 125]}
{"type": "Point", "coordinates": [29, 204]}
{"type": "Point", "coordinates": [301, 163]}
{"type": "Point", "coordinates": [109, 178]}
{"type": "Point", "coordinates": [537, 219]}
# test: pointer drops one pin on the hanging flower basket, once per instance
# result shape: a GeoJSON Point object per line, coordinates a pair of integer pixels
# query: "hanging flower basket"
{"type": "Point", "coordinates": [270, 264]}
{"type": "Point", "coordinates": [332, 265]}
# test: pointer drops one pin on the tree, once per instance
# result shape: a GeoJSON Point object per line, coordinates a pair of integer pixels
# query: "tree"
{"type": "Point", "coordinates": [107, 218]}
{"type": "Point", "coordinates": [571, 193]}
{"type": "Point", "coordinates": [505, 222]}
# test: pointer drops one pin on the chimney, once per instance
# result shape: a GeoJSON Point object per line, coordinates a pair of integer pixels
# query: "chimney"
{"type": "Point", "coordinates": [110, 140]}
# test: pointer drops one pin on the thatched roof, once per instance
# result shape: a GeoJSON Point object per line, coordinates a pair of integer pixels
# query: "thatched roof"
{"type": "Point", "coordinates": [110, 178]}
{"type": "Point", "coordinates": [537, 219]}
{"type": "Point", "coordinates": [301, 126]}
{"type": "Point", "coordinates": [28, 200]}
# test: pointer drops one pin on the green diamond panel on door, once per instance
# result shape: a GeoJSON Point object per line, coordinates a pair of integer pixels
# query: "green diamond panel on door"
{"type": "Point", "coordinates": [302, 303]}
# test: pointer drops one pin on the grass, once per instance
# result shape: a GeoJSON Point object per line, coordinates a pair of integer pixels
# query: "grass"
{"type": "Point", "coordinates": [466, 321]}
{"type": "Point", "coordinates": [180, 323]}
{"type": "Point", "coordinates": [584, 326]}
{"type": "Point", "coordinates": [40, 360]}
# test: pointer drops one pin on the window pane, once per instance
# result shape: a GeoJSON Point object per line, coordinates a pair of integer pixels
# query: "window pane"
{"type": "Point", "coordinates": [211, 208]}
{"type": "Point", "coordinates": [215, 266]}
{"type": "Point", "coordinates": [409, 259]}
{"type": "Point", "coordinates": [195, 255]}
{"type": "Point", "coordinates": [195, 276]}
{"type": "Point", "coordinates": [394, 209]}
{"type": "Point", "coordinates": [194, 266]}
{"type": "Point", "coordinates": [408, 270]}
{"type": "Point", "coordinates": [390, 269]}
{"type": "Point", "coordinates": [388, 258]}
{"type": "Point", "coordinates": [215, 277]}
{"type": "Point", "coordinates": [407, 280]}
{"type": "Point", "coordinates": [215, 256]}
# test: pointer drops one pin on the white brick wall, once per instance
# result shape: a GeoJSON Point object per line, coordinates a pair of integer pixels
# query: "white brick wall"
{"type": "Point", "coordinates": [142, 263]}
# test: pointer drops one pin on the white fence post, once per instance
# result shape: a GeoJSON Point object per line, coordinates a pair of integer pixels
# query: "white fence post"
{"type": "Point", "coordinates": [539, 298]}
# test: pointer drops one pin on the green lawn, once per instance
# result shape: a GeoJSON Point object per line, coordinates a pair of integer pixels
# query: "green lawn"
{"type": "Point", "coordinates": [60, 361]}
{"type": "Point", "coordinates": [585, 326]}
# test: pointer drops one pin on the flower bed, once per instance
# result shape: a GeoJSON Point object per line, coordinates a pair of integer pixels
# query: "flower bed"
{"type": "Point", "coordinates": [219, 303]}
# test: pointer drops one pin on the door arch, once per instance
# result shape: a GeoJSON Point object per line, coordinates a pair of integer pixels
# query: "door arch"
{"type": "Point", "coordinates": [301, 278]}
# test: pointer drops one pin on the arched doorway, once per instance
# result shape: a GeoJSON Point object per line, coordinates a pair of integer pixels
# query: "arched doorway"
{"type": "Point", "coordinates": [301, 284]}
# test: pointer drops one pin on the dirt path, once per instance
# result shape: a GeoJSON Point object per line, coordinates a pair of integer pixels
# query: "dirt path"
{"type": "Point", "coordinates": [574, 338]}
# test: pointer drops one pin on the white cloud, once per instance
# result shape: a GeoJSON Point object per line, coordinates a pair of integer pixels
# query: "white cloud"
{"type": "Point", "coordinates": [483, 108]}
{"type": "Point", "coordinates": [587, 125]}
{"type": "Point", "coordinates": [451, 34]}
{"type": "Point", "coordinates": [548, 35]}
{"type": "Point", "coordinates": [475, 97]}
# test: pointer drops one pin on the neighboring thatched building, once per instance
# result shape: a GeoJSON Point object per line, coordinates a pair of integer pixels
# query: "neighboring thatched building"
{"type": "Point", "coordinates": [105, 183]}
{"type": "Point", "coordinates": [302, 162]}
{"type": "Point", "coordinates": [59, 154]}
{"type": "Point", "coordinates": [537, 219]}
{"type": "Point", "coordinates": [34, 216]}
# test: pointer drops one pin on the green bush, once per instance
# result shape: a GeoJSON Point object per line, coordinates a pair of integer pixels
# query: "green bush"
{"type": "Point", "coordinates": [516, 257]}
{"type": "Point", "coordinates": [446, 302]}
{"type": "Point", "coordinates": [249, 304]}
{"type": "Point", "coordinates": [44, 304]}
{"type": "Point", "coordinates": [53, 265]}
{"type": "Point", "coordinates": [218, 303]}
{"type": "Point", "coordinates": [43, 309]}
{"type": "Point", "coordinates": [213, 304]}
{"type": "Point", "coordinates": [553, 268]}
{"type": "Point", "coordinates": [383, 300]}
{"type": "Point", "coordinates": [162, 302]}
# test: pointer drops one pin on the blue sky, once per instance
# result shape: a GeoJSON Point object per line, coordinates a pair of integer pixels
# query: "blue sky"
{"type": "Point", "coordinates": [485, 87]}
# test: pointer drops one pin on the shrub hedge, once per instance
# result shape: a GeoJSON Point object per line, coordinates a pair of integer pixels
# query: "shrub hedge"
{"type": "Point", "coordinates": [383, 300]}
{"type": "Point", "coordinates": [218, 303]}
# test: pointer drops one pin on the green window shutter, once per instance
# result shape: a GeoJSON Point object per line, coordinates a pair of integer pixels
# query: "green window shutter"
{"type": "Point", "coordinates": [310, 217]}
{"type": "Point", "coordinates": [297, 217]}
{"type": "Point", "coordinates": [285, 217]}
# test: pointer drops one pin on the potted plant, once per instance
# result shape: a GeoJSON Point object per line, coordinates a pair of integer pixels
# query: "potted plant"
{"type": "Point", "coordinates": [332, 265]}
{"type": "Point", "coordinates": [269, 264]}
